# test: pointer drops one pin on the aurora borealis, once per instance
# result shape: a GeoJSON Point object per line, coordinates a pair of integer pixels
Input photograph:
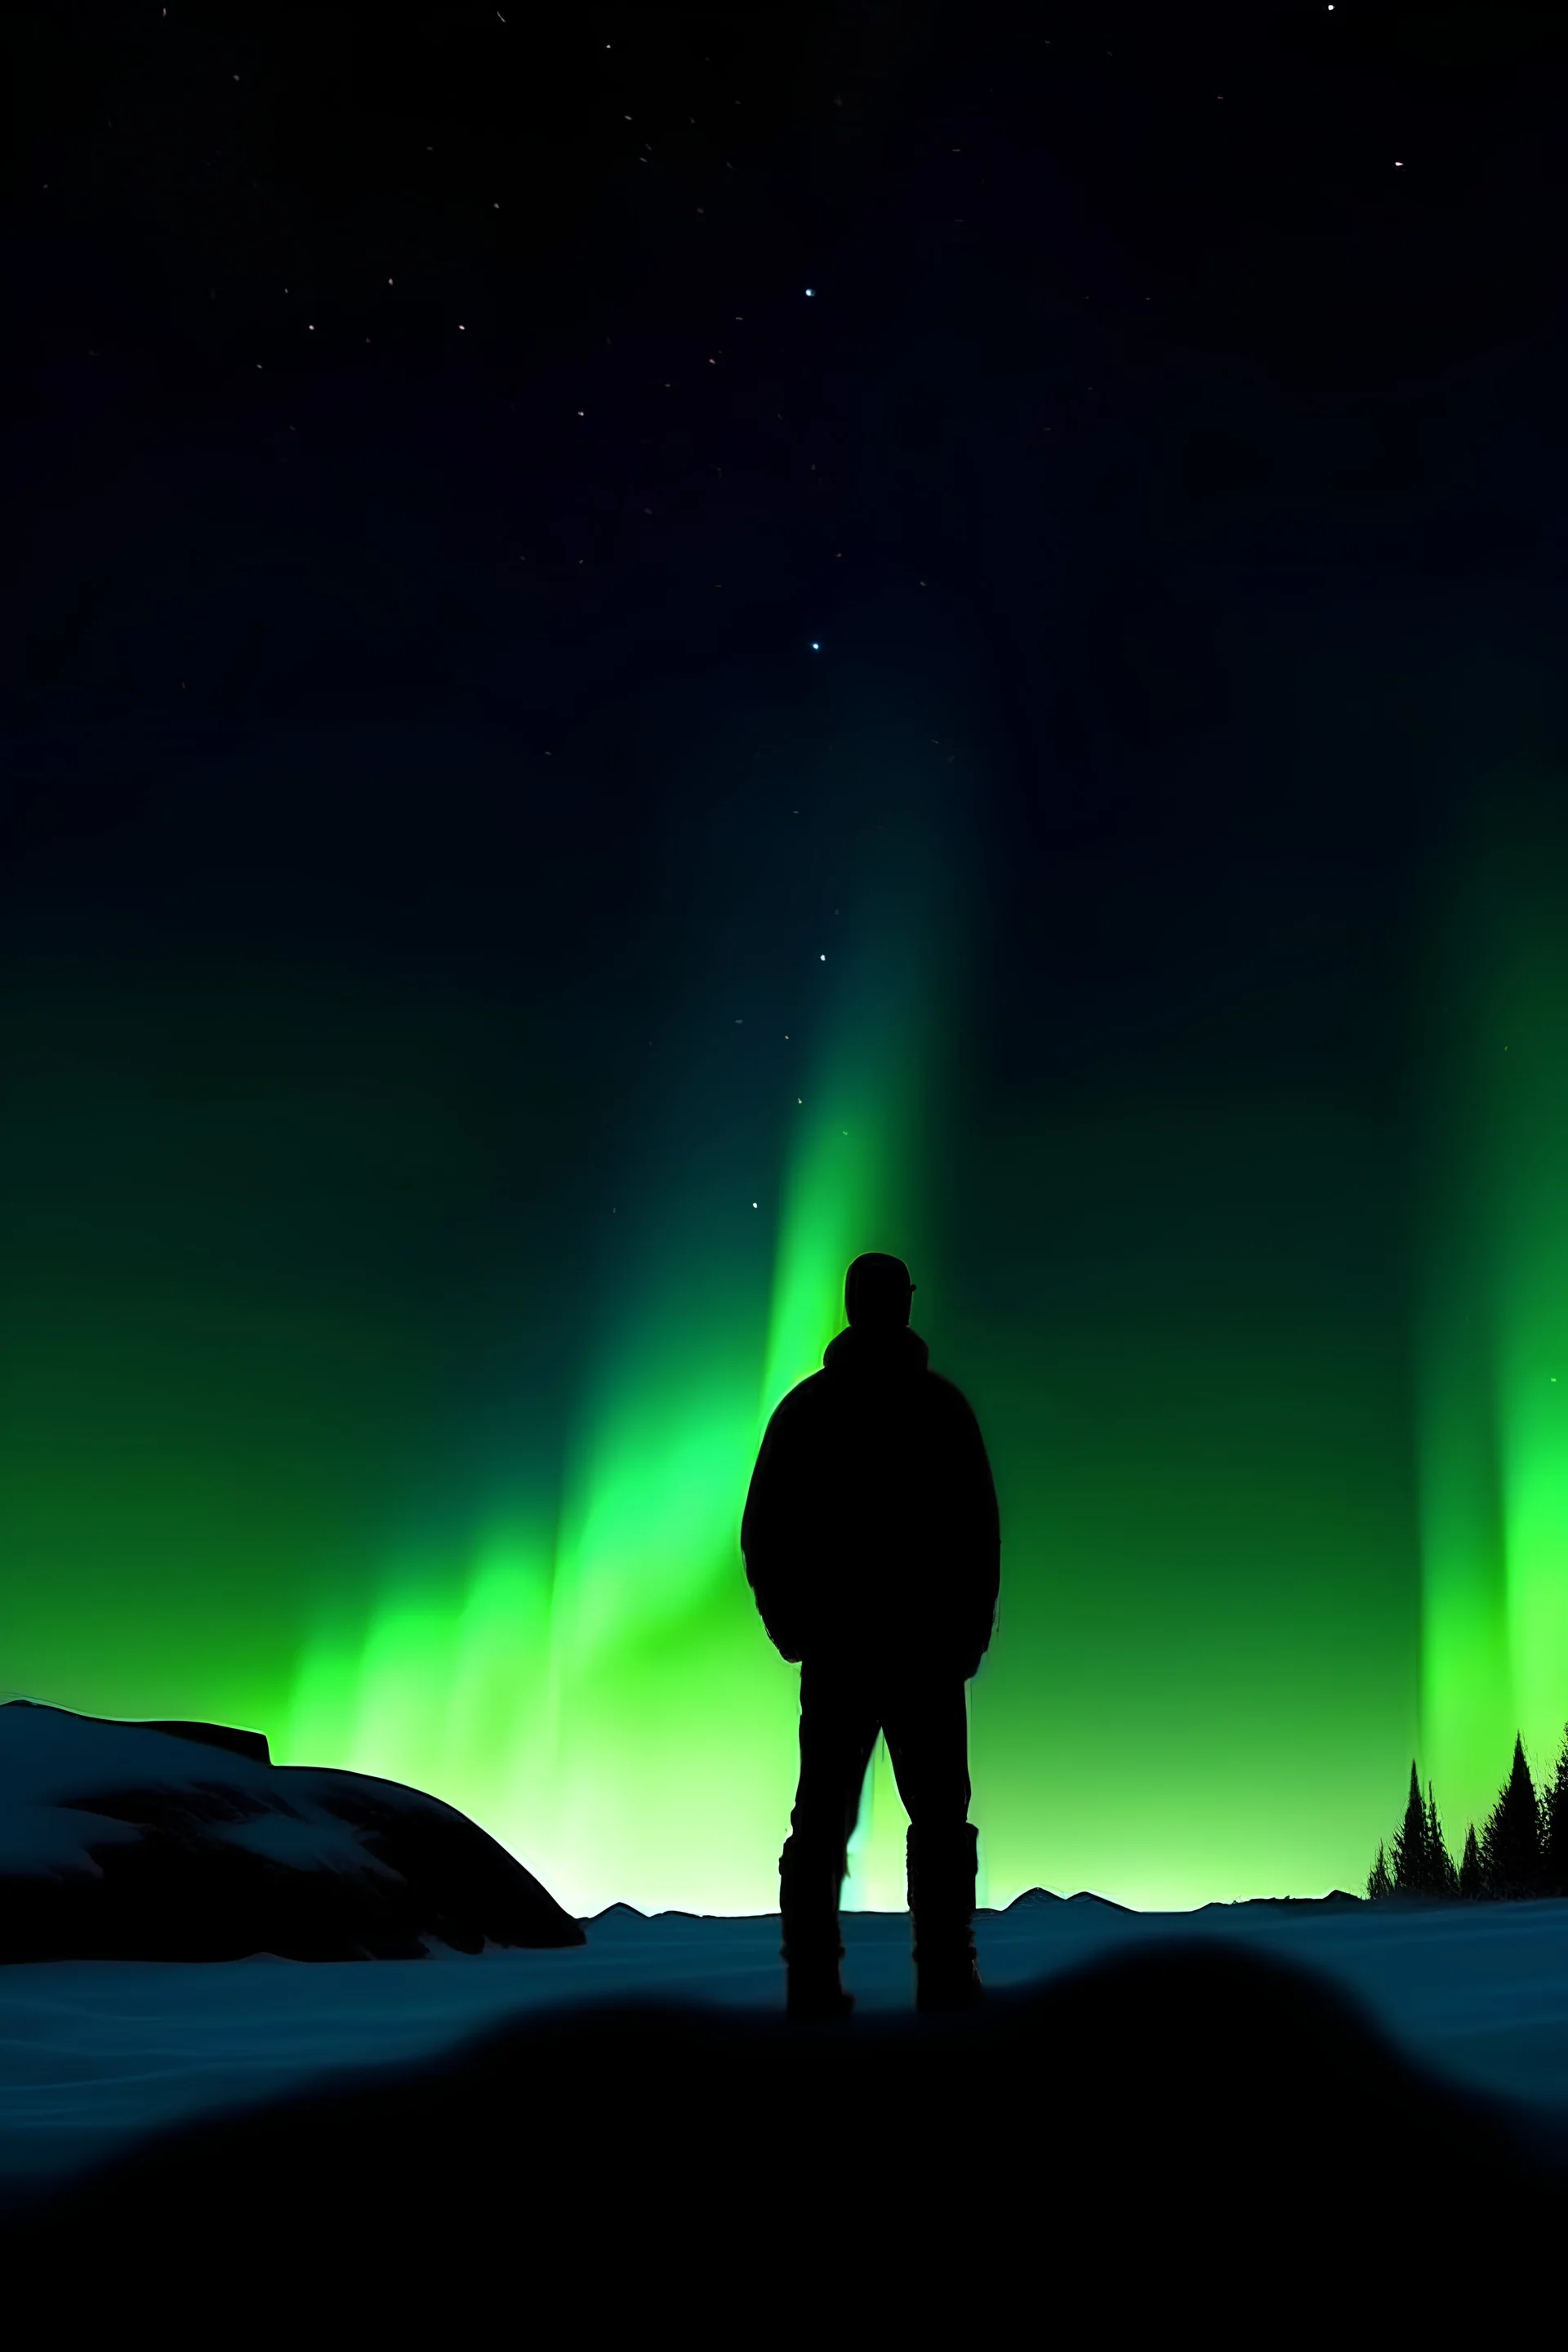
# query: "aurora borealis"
{"type": "Point", "coordinates": [470, 984]}
{"type": "Point", "coordinates": [1492, 1291]}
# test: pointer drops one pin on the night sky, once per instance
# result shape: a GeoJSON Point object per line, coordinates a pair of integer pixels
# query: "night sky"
{"type": "Point", "coordinates": [647, 647]}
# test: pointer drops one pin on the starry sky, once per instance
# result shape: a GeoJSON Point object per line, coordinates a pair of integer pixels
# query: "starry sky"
{"type": "Point", "coordinates": [601, 601]}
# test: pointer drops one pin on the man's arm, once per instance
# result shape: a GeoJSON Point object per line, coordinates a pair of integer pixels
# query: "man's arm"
{"type": "Point", "coordinates": [983, 1553]}
{"type": "Point", "coordinates": [771, 1538]}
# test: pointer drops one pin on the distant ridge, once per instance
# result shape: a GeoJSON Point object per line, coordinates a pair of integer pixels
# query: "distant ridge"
{"type": "Point", "coordinates": [1336, 1900]}
{"type": "Point", "coordinates": [624, 1913]}
{"type": "Point", "coordinates": [1044, 1894]}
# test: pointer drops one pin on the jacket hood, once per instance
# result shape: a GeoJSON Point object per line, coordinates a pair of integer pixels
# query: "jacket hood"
{"type": "Point", "coordinates": [877, 1352]}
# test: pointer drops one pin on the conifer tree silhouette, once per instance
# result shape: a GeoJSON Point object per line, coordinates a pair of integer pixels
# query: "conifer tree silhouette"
{"type": "Point", "coordinates": [1472, 1878]}
{"type": "Point", "coordinates": [1511, 1842]}
{"type": "Point", "coordinates": [1411, 1874]}
{"type": "Point", "coordinates": [1379, 1882]}
{"type": "Point", "coordinates": [1554, 1828]}
{"type": "Point", "coordinates": [1442, 1878]}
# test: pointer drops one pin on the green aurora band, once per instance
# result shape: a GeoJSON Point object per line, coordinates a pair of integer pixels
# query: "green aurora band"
{"type": "Point", "coordinates": [1492, 1287]}
{"type": "Point", "coordinates": [599, 1693]}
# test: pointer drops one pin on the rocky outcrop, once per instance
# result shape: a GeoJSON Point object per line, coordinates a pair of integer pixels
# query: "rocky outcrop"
{"type": "Point", "coordinates": [184, 1842]}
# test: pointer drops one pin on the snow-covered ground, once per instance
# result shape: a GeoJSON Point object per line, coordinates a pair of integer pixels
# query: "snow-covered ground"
{"type": "Point", "coordinates": [94, 2056]}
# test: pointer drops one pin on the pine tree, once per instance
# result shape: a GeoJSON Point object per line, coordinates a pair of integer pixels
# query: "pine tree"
{"type": "Point", "coordinates": [1442, 1878]}
{"type": "Point", "coordinates": [1410, 1865]}
{"type": "Point", "coordinates": [1554, 1828]}
{"type": "Point", "coordinates": [1378, 1883]}
{"type": "Point", "coordinates": [1511, 1842]}
{"type": "Point", "coordinates": [1472, 1878]}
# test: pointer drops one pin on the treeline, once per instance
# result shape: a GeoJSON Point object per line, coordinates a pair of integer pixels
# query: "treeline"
{"type": "Point", "coordinates": [1521, 1852]}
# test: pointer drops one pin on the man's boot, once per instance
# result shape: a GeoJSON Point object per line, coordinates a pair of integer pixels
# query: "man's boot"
{"type": "Point", "coordinates": [809, 1889]}
{"type": "Point", "coordinates": [942, 1867]}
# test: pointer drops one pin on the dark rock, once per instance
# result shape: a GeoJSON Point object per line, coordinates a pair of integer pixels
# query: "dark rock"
{"type": "Point", "coordinates": [165, 1841]}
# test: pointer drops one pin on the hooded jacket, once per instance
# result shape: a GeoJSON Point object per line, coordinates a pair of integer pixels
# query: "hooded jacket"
{"type": "Point", "coordinates": [871, 1529]}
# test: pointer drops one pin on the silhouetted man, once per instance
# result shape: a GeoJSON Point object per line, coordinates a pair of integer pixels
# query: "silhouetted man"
{"type": "Point", "coordinates": [873, 1544]}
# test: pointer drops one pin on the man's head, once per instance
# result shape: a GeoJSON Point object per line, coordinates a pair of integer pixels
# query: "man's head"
{"type": "Point", "coordinates": [877, 1293]}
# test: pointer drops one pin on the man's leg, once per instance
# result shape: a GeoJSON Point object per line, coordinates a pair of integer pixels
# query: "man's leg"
{"type": "Point", "coordinates": [927, 1726]}
{"type": "Point", "coordinates": [839, 1726]}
